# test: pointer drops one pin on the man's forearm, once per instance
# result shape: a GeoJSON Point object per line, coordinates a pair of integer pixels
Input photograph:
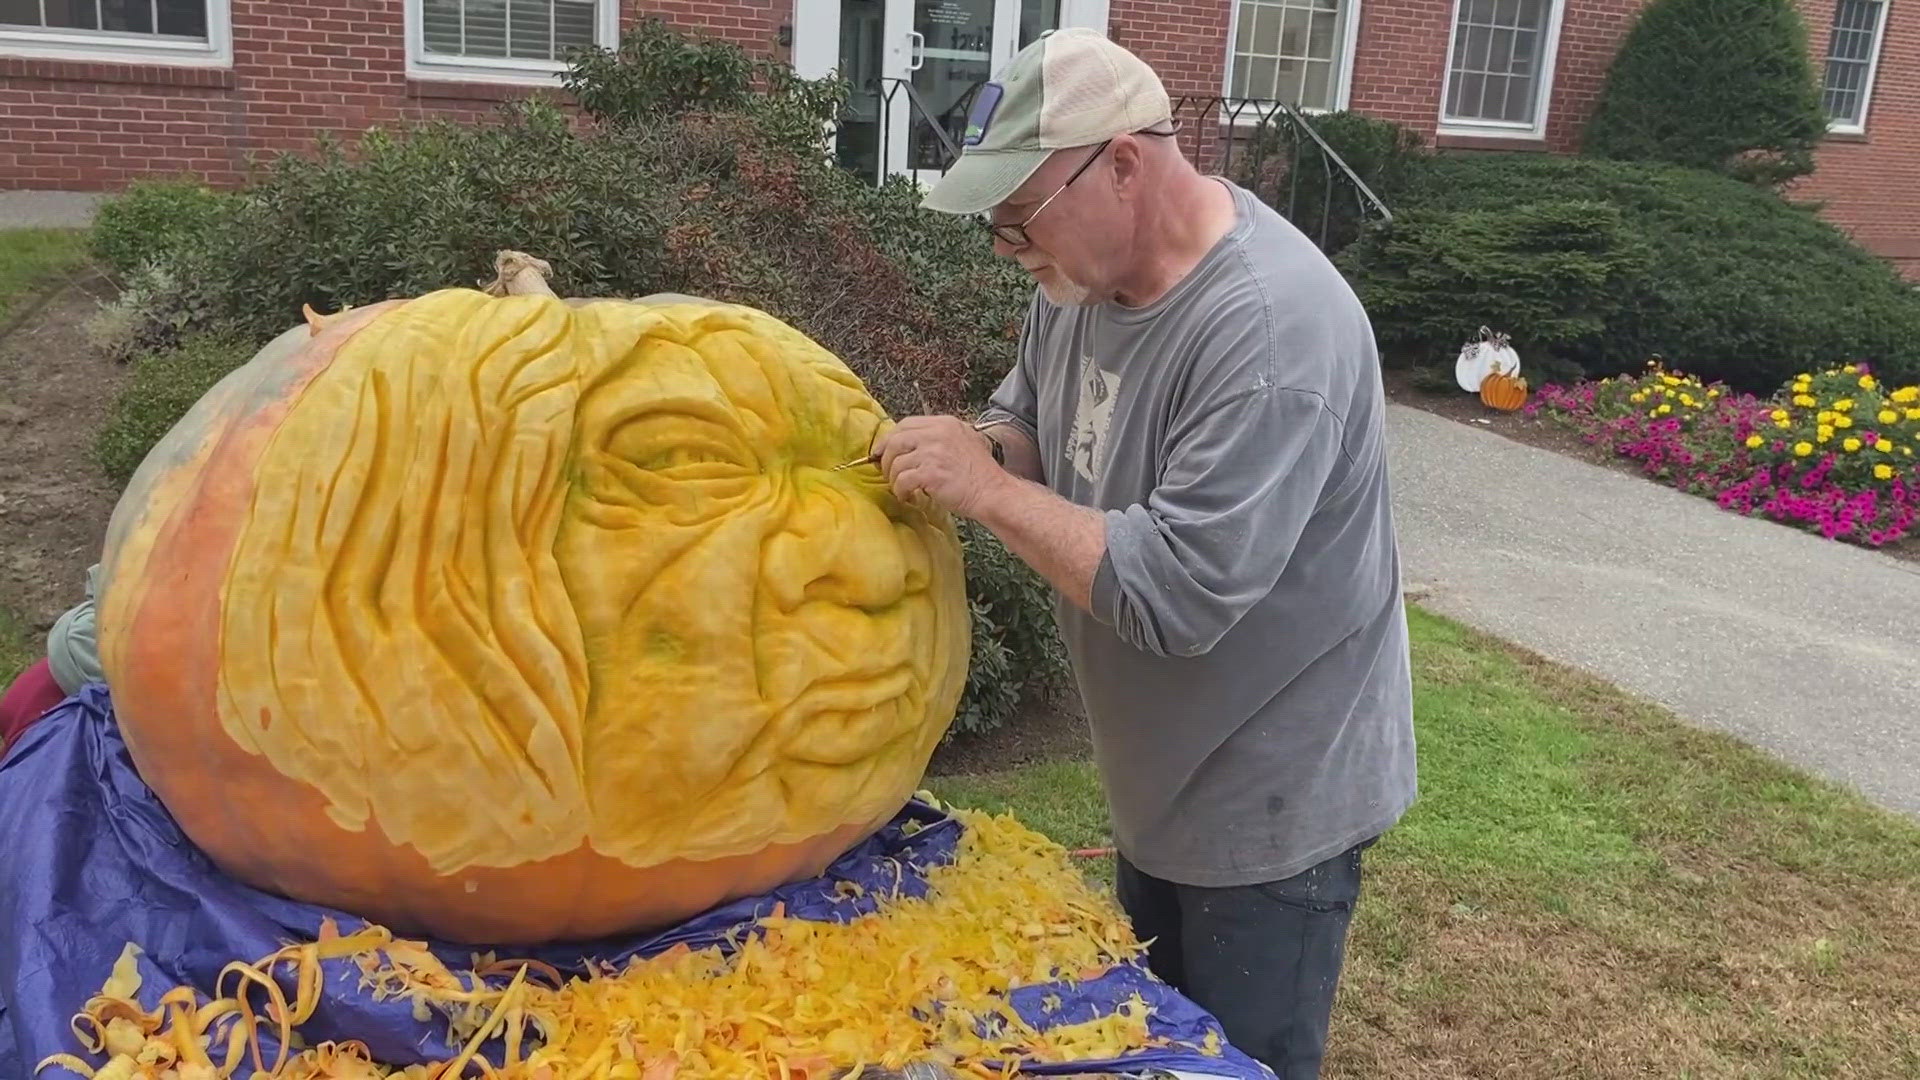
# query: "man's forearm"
{"type": "Point", "coordinates": [1061, 541]}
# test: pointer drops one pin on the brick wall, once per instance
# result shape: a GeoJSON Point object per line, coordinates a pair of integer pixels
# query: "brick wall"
{"type": "Point", "coordinates": [1870, 184]}
{"type": "Point", "coordinates": [299, 68]}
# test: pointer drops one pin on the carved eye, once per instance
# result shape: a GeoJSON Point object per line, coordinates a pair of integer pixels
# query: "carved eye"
{"type": "Point", "coordinates": [680, 448]}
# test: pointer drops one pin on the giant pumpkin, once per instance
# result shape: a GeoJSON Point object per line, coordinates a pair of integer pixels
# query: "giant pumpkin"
{"type": "Point", "coordinates": [508, 618]}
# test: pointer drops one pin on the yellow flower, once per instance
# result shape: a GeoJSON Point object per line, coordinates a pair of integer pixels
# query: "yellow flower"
{"type": "Point", "coordinates": [1779, 414]}
{"type": "Point", "coordinates": [1805, 401]}
{"type": "Point", "coordinates": [1866, 382]}
{"type": "Point", "coordinates": [1851, 445]}
{"type": "Point", "coordinates": [1913, 414]}
{"type": "Point", "coordinates": [1783, 422]}
{"type": "Point", "coordinates": [1670, 380]}
{"type": "Point", "coordinates": [1907, 394]}
{"type": "Point", "coordinates": [1636, 397]}
{"type": "Point", "coordinates": [1826, 416]}
{"type": "Point", "coordinates": [1883, 471]}
{"type": "Point", "coordinates": [1843, 420]}
{"type": "Point", "coordinates": [1883, 444]}
{"type": "Point", "coordinates": [1888, 416]}
{"type": "Point", "coordinates": [1843, 405]}
{"type": "Point", "coordinates": [1754, 441]}
{"type": "Point", "coordinates": [1825, 431]}
{"type": "Point", "coordinates": [1802, 449]}
{"type": "Point", "coordinates": [1664, 409]}
{"type": "Point", "coordinates": [1713, 392]}
{"type": "Point", "coordinates": [1687, 400]}
{"type": "Point", "coordinates": [1849, 369]}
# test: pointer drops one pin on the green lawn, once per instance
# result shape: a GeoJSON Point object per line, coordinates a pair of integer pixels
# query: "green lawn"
{"type": "Point", "coordinates": [28, 257]}
{"type": "Point", "coordinates": [1588, 888]}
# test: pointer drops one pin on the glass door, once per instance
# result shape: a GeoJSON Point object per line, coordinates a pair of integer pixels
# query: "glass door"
{"type": "Point", "coordinates": [954, 54]}
{"type": "Point", "coordinates": [913, 64]}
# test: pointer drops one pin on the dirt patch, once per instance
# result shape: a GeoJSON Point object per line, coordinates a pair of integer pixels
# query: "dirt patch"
{"type": "Point", "coordinates": [55, 392]}
{"type": "Point", "coordinates": [1403, 389]}
{"type": "Point", "coordinates": [1047, 727]}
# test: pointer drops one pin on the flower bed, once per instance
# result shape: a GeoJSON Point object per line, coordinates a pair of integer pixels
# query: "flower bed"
{"type": "Point", "coordinates": [1831, 452]}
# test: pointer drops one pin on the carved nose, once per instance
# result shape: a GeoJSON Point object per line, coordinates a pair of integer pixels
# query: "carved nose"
{"type": "Point", "coordinates": [837, 548]}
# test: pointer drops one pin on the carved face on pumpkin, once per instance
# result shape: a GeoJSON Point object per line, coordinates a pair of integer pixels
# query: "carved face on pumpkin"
{"type": "Point", "coordinates": [511, 588]}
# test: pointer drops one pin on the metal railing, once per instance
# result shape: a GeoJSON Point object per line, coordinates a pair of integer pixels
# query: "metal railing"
{"type": "Point", "coordinates": [1269, 147]}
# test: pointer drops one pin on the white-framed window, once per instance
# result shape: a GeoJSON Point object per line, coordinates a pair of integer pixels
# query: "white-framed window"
{"type": "Point", "coordinates": [1853, 58]}
{"type": "Point", "coordinates": [1296, 51]}
{"type": "Point", "coordinates": [1500, 67]}
{"type": "Point", "coordinates": [516, 41]}
{"type": "Point", "coordinates": [186, 32]}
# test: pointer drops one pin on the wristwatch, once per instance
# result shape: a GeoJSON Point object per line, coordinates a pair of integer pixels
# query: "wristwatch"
{"type": "Point", "coordinates": [999, 451]}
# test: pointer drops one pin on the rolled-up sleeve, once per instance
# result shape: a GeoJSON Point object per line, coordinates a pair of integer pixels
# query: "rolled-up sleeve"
{"type": "Point", "coordinates": [1240, 482]}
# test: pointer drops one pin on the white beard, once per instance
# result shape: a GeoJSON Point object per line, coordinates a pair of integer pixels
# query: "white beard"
{"type": "Point", "coordinates": [1065, 292]}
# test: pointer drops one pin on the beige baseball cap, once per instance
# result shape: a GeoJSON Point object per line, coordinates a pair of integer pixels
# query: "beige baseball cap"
{"type": "Point", "coordinates": [1068, 89]}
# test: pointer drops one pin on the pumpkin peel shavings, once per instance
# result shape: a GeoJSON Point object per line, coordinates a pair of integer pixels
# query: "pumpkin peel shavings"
{"type": "Point", "coordinates": [920, 979]}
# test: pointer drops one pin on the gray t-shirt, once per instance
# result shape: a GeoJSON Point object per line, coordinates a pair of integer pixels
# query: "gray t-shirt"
{"type": "Point", "coordinates": [1245, 668]}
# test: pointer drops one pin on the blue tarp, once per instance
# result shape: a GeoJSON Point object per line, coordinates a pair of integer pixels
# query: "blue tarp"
{"type": "Point", "coordinates": [92, 861]}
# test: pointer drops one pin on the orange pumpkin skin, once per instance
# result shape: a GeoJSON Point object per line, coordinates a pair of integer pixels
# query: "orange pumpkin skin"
{"type": "Point", "coordinates": [167, 615]}
{"type": "Point", "coordinates": [1503, 392]}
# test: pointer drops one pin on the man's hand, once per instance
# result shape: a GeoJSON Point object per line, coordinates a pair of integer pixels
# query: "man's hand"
{"type": "Point", "coordinates": [943, 458]}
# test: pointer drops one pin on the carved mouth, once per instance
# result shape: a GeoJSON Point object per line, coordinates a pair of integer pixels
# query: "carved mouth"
{"type": "Point", "coordinates": [846, 719]}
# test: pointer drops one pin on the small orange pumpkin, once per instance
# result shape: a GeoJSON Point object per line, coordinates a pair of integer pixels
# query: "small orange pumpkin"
{"type": "Point", "coordinates": [1503, 391]}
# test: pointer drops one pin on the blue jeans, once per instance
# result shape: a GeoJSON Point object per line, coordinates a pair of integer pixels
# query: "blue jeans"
{"type": "Point", "coordinates": [1264, 959]}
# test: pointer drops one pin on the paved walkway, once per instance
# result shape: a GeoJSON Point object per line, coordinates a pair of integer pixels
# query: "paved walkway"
{"type": "Point", "coordinates": [1801, 646]}
{"type": "Point", "coordinates": [47, 209]}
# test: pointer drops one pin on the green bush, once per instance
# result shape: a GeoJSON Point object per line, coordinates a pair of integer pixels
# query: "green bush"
{"type": "Point", "coordinates": [163, 385]}
{"type": "Point", "coordinates": [675, 183]}
{"type": "Point", "coordinates": [1725, 85]}
{"type": "Point", "coordinates": [1554, 274]}
{"type": "Point", "coordinates": [152, 219]}
{"type": "Point", "coordinates": [1736, 285]}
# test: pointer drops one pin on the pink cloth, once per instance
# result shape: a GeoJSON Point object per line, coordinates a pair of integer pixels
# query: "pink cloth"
{"type": "Point", "coordinates": [30, 696]}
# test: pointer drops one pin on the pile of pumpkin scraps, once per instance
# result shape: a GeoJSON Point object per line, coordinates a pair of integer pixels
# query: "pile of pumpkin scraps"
{"type": "Point", "coordinates": [919, 979]}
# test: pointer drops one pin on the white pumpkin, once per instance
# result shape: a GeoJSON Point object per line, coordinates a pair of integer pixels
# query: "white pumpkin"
{"type": "Point", "coordinates": [1486, 354]}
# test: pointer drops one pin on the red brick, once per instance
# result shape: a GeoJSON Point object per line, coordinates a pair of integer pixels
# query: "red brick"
{"type": "Point", "coordinates": [304, 67]}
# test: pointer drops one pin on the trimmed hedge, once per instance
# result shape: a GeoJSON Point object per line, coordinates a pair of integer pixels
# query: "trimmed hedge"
{"type": "Point", "coordinates": [1724, 279]}
{"type": "Point", "coordinates": [1724, 85]}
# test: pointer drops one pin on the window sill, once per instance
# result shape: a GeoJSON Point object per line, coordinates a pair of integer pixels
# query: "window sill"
{"type": "Point", "coordinates": [1449, 140]}
{"type": "Point", "coordinates": [121, 72]}
{"type": "Point", "coordinates": [1844, 135]}
{"type": "Point", "coordinates": [81, 47]}
{"type": "Point", "coordinates": [453, 89]}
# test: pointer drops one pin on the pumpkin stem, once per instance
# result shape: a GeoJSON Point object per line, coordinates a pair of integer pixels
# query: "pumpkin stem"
{"type": "Point", "coordinates": [517, 273]}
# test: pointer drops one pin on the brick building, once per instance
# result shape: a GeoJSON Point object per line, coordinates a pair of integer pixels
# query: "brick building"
{"type": "Point", "coordinates": [96, 92]}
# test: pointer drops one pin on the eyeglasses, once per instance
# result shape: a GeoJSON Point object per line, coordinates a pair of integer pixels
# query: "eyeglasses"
{"type": "Point", "coordinates": [1016, 235]}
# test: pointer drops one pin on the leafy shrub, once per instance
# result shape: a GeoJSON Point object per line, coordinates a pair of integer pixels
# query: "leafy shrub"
{"type": "Point", "coordinates": [1739, 285]}
{"type": "Point", "coordinates": [150, 220]}
{"type": "Point", "coordinates": [1555, 274]}
{"type": "Point", "coordinates": [1833, 452]}
{"type": "Point", "coordinates": [164, 384]}
{"type": "Point", "coordinates": [678, 182]}
{"type": "Point", "coordinates": [1726, 85]}
{"type": "Point", "coordinates": [657, 72]}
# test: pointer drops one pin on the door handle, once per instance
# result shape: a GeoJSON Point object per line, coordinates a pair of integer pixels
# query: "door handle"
{"type": "Point", "coordinates": [917, 55]}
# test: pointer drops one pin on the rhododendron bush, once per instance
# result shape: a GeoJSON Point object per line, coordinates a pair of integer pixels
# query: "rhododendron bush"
{"type": "Point", "coordinates": [1832, 452]}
